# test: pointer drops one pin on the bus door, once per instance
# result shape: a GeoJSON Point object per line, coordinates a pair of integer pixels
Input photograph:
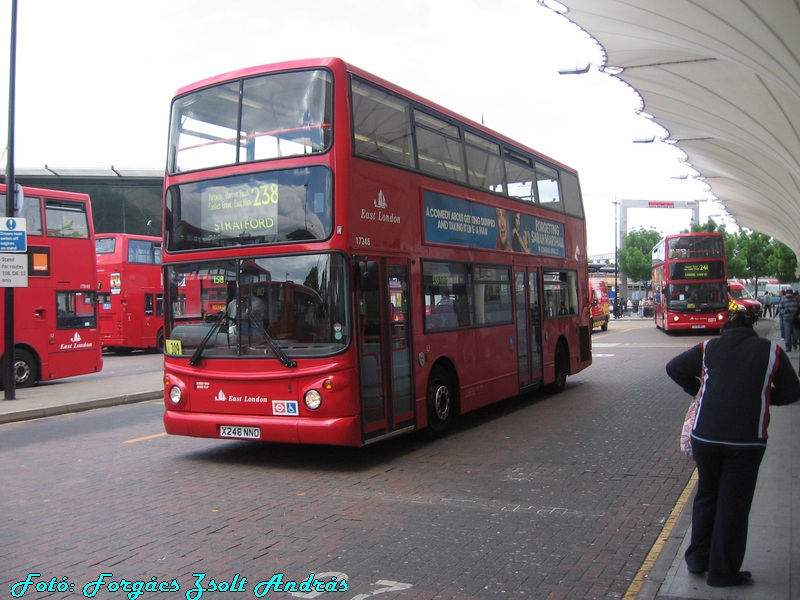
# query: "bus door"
{"type": "Point", "coordinates": [385, 352]}
{"type": "Point", "coordinates": [529, 329]}
{"type": "Point", "coordinates": [150, 322]}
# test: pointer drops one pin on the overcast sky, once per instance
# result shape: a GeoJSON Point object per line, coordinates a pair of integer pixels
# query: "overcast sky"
{"type": "Point", "coordinates": [95, 79]}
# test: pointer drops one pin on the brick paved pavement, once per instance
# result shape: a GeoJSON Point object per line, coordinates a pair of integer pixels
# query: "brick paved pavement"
{"type": "Point", "coordinates": [546, 497]}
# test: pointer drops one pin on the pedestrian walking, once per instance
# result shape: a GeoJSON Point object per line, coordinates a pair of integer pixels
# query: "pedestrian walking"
{"type": "Point", "coordinates": [788, 309]}
{"type": "Point", "coordinates": [767, 304]}
{"type": "Point", "coordinates": [778, 312]}
{"type": "Point", "coordinates": [736, 377]}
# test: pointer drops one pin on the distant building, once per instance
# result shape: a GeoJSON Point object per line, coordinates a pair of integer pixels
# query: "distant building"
{"type": "Point", "coordinates": [123, 200]}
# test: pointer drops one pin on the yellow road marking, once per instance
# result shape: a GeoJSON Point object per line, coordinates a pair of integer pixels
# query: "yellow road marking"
{"type": "Point", "coordinates": [145, 438]}
{"type": "Point", "coordinates": [658, 546]}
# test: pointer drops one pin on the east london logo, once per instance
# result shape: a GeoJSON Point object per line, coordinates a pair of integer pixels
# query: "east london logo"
{"type": "Point", "coordinates": [221, 397]}
{"type": "Point", "coordinates": [379, 215]}
{"type": "Point", "coordinates": [76, 343]}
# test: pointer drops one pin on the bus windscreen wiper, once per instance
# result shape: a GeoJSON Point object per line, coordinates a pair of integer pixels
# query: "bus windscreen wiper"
{"type": "Point", "coordinates": [282, 356]}
{"type": "Point", "coordinates": [222, 318]}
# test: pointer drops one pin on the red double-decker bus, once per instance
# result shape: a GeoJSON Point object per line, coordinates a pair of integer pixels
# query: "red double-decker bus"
{"type": "Point", "coordinates": [131, 294]}
{"type": "Point", "coordinates": [199, 295]}
{"type": "Point", "coordinates": [689, 283]}
{"type": "Point", "coordinates": [421, 265]}
{"type": "Point", "coordinates": [55, 316]}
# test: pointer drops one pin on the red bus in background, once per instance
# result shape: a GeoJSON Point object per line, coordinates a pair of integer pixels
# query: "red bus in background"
{"type": "Point", "coordinates": [199, 295]}
{"type": "Point", "coordinates": [55, 316]}
{"type": "Point", "coordinates": [689, 282]}
{"type": "Point", "coordinates": [131, 292]}
{"type": "Point", "coordinates": [426, 265]}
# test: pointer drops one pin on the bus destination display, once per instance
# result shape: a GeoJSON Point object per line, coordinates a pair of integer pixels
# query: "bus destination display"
{"type": "Point", "coordinates": [697, 270]}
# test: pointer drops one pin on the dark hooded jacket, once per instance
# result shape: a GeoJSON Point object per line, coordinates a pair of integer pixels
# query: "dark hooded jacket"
{"type": "Point", "coordinates": [738, 375]}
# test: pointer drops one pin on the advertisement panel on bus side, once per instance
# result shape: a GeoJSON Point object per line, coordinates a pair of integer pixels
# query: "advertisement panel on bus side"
{"type": "Point", "coordinates": [458, 222]}
{"type": "Point", "coordinates": [599, 304]}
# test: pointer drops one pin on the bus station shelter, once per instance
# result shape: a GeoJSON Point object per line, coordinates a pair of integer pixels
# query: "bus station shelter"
{"type": "Point", "coordinates": [723, 79]}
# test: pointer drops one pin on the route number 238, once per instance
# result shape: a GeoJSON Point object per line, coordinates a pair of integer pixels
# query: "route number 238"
{"type": "Point", "coordinates": [266, 194]}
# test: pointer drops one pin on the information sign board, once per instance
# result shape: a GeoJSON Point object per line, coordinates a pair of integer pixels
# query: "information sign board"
{"type": "Point", "coordinates": [13, 234]}
{"type": "Point", "coordinates": [13, 270]}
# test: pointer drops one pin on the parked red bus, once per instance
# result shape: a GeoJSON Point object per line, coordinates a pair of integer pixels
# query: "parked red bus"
{"type": "Point", "coordinates": [55, 316]}
{"type": "Point", "coordinates": [688, 283]}
{"type": "Point", "coordinates": [131, 292]}
{"type": "Point", "coordinates": [447, 263]}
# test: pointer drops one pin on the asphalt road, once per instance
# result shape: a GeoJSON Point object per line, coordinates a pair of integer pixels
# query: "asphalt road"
{"type": "Point", "coordinates": [538, 497]}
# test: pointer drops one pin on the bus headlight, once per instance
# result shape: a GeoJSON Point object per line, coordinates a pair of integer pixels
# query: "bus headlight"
{"type": "Point", "coordinates": [175, 394]}
{"type": "Point", "coordinates": [313, 399]}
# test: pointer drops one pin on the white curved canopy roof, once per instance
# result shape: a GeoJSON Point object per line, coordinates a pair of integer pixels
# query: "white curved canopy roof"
{"type": "Point", "coordinates": [723, 77]}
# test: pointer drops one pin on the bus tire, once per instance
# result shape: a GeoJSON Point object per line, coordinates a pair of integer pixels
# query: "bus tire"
{"type": "Point", "coordinates": [25, 370]}
{"type": "Point", "coordinates": [562, 370]}
{"type": "Point", "coordinates": [440, 403]}
{"type": "Point", "coordinates": [604, 326]}
{"type": "Point", "coordinates": [160, 341]}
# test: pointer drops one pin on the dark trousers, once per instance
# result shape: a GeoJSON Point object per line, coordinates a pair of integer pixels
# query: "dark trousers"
{"type": "Point", "coordinates": [787, 329]}
{"type": "Point", "coordinates": [726, 483]}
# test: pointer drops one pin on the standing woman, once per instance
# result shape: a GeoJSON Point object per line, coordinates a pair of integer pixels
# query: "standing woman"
{"type": "Point", "coordinates": [738, 377]}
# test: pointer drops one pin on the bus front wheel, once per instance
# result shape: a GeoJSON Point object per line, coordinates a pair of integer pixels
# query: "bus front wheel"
{"type": "Point", "coordinates": [24, 369]}
{"type": "Point", "coordinates": [441, 403]}
{"type": "Point", "coordinates": [160, 341]}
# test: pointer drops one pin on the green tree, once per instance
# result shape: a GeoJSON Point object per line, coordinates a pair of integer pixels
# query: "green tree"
{"type": "Point", "coordinates": [709, 227]}
{"type": "Point", "coordinates": [755, 249]}
{"type": "Point", "coordinates": [636, 254]}
{"type": "Point", "coordinates": [737, 265]}
{"type": "Point", "coordinates": [782, 263]}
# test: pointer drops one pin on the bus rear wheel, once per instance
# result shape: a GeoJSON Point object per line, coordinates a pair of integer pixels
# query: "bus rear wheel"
{"type": "Point", "coordinates": [562, 368]}
{"type": "Point", "coordinates": [440, 402]}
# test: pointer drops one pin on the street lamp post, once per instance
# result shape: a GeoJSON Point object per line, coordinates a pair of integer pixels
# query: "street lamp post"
{"type": "Point", "coordinates": [9, 382]}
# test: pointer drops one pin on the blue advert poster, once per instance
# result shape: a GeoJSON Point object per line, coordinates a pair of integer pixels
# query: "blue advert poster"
{"type": "Point", "coordinates": [458, 222]}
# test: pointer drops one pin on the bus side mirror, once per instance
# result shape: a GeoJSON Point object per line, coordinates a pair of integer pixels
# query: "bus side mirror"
{"type": "Point", "coordinates": [368, 275]}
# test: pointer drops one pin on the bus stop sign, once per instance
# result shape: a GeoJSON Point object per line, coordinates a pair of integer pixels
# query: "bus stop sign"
{"type": "Point", "coordinates": [13, 235]}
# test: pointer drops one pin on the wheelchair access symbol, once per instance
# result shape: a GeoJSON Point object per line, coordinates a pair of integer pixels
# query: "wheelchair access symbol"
{"type": "Point", "coordinates": [284, 407]}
